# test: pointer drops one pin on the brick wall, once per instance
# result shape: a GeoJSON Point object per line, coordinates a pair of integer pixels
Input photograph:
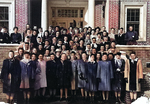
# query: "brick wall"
{"type": "Point", "coordinates": [114, 14]}
{"type": "Point", "coordinates": [99, 20]}
{"type": "Point", "coordinates": [142, 52]}
{"type": "Point", "coordinates": [21, 14]}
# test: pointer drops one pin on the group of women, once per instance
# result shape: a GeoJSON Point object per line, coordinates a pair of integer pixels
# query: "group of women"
{"type": "Point", "coordinates": [87, 60]}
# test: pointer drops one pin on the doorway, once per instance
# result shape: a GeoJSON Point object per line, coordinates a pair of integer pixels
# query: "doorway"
{"type": "Point", "coordinates": [66, 17]}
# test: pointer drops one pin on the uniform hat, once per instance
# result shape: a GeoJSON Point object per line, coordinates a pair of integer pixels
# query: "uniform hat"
{"type": "Point", "coordinates": [118, 53]}
{"type": "Point", "coordinates": [58, 50]}
{"type": "Point", "coordinates": [104, 54]}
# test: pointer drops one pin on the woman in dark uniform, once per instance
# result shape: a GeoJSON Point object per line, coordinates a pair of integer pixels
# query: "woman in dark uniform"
{"type": "Point", "coordinates": [118, 70]}
{"type": "Point", "coordinates": [51, 68]}
{"type": "Point", "coordinates": [10, 76]}
{"type": "Point", "coordinates": [63, 75]}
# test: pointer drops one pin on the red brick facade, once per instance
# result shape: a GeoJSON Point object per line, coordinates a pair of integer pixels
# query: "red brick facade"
{"type": "Point", "coordinates": [114, 14]}
{"type": "Point", "coordinates": [99, 20]}
{"type": "Point", "coordinates": [21, 14]}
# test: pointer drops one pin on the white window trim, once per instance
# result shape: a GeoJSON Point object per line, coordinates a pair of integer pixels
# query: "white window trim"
{"type": "Point", "coordinates": [143, 17]}
{"type": "Point", "coordinates": [11, 8]}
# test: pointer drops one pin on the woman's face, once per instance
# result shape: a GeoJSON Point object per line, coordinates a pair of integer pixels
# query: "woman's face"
{"type": "Point", "coordinates": [20, 52]}
{"type": "Point", "coordinates": [65, 38]}
{"type": "Point", "coordinates": [72, 56]}
{"type": "Point", "coordinates": [34, 32]}
{"type": "Point", "coordinates": [107, 46]}
{"type": "Point", "coordinates": [27, 56]}
{"type": "Point", "coordinates": [98, 56]}
{"type": "Point", "coordinates": [81, 42]}
{"type": "Point", "coordinates": [63, 47]}
{"type": "Point", "coordinates": [33, 57]}
{"type": "Point", "coordinates": [97, 30]}
{"type": "Point", "coordinates": [46, 43]}
{"type": "Point", "coordinates": [52, 57]}
{"type": "Point", "coordinates": [26, 46]}
{"type": "Point", "coordinates": [102, 47]}
{"type": "Point", "coordinates": [47, 52]}
{"type": "Point", "coordinates": [34, 50]}
{"type": "Point", "coordinates": [74, 47]}
{"type": "Point", "coordinates": [104, 57]}
{"type": "Point", "coordinates": [133, 56]}
{"type": "Point", "coordinates": [93, 32]}
{"type": "Point", "coordinates": [57, 34]}
{"type": "Point", "coordinates": [40, 57]}
{"type": "Point", "coordinates": [118, 57]}
{"type": "Point", "coordinates": [110, 56]}
{"type": "Point", "coordinates": [99, 36]}
{"type": "Point", "coordinates": [83, 56]}
{"type": "Point", "coordinates": [112, 31]}
{"type": "Point", "coordinates": [92, 58]}
{"type": "Point", "coordinates": [28, 31]}
{"type": "Point", "coordinates": [52, 48]}
{"type": "Point", "coordinates": [46, 33]}
{"type": "Point", "coordinates": [57, 29]}
{"type": "Point", "coordinates": [11, 55]}
{"type": "Point", "coordinates": [104, 33]}
{"type": "Point", "coordinates": [63, 57]}
{"type": "Point", "coordinates": [40, 47]}
{"type": "Point", "coordinates": [71, 43]}
{"type": "Point", "coordinates": [76, 39]}
{"type": "Point", "coordinates": [113, 44]}
{"type": "Point", "coordinates": [60, 42]}
{"type": "Point", "coordinates": [54, 40]}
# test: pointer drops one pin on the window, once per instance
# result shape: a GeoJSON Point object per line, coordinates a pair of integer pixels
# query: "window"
{"type": "Point", "coordinates": [67, 12]}
{"type": "Point", "coordinates": [4, 20]}
{"type": "Point", "coordinates": [135, 14]}
{"type": "Point", "coordinates": [133, 19]}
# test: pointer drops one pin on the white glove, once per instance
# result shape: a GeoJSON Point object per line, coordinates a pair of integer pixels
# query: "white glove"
{"type": "Point", "coordinates": [118, 69]}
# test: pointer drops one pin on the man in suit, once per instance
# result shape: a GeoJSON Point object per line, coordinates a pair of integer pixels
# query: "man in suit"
{"type": "Point", "coordinates": [131, 36]}
{"type": "Point", "coordinates": [15, 37]}
{"type": "Point", "coordinates": [120, 37]}
{"type": "Point", "coordinates": [4, 36]}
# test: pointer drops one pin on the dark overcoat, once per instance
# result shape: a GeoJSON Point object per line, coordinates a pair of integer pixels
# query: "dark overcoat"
{"type": "Point", "coordinates": [51, 68]}
{"type": "Point", "coordinates": [13, 68]}
{"type": "Point", "coordinates": [118, 76]}
{"type": "Point", "coordinates": [91, 77]}
{"type": "Point", "coordinates": [82, 68]}
{"type": "Point", "coordinates": [4, 37]}
{"type": "Point", "coordinates": [64, 74]}
{"type": "Point", "coordinates": [15, 38]}
{"type": "Point", "coordinates": [105, 73]}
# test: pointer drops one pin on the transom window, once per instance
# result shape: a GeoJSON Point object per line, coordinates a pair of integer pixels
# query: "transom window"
{"type": "Point", "coordinates": [4, 17]}
{"type": "Point", "coordinates": [67, 12]}
{"type": "Point", "coordinates": [133, 19]}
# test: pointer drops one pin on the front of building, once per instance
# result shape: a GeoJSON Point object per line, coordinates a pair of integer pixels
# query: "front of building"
{"type": "Point", "coordinates": [79, 13]}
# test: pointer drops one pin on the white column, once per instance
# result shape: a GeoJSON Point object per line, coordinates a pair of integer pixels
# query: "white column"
{"type": "Point", "coordinates": [107, 15]}
{"type": "Point", "coordinates": [44, 15]}
{"type": "Point", "coordinates": [91, 8]}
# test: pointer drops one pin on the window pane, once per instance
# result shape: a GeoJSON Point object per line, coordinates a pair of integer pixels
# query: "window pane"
{"type": "Point", "coordinates": [68, 12]}
{"type": "Point", "coordinates": [133, 16]}
{"type": "Point", "coordinates": [3, 13]}
{"type": "Point", "coordinates": [81, 13]}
